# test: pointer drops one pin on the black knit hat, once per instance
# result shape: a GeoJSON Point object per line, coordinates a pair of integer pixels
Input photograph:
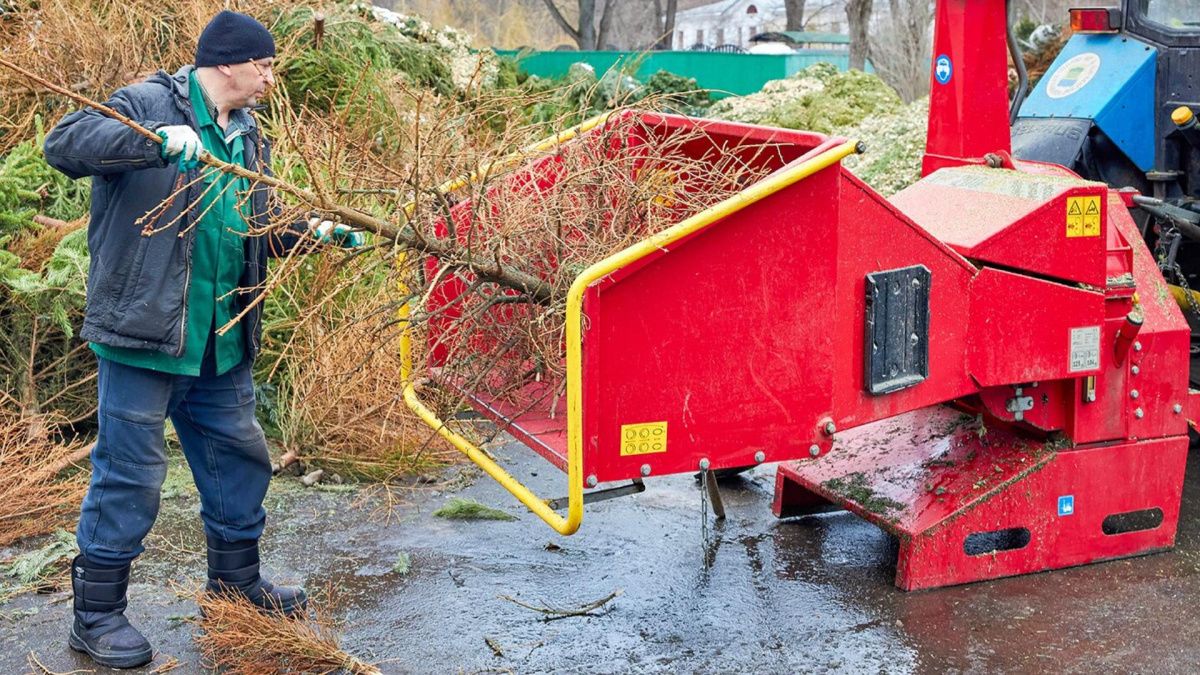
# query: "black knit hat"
{"type": "Point", "coordinates": [233, 38]}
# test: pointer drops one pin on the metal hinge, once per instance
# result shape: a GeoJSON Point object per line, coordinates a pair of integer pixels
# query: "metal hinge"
{"type": "Point", "coordinates": [1018, 405]}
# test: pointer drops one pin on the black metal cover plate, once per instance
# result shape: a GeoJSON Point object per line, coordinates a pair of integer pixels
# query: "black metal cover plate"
{"type": "Point", "coordinates": [897, 344]}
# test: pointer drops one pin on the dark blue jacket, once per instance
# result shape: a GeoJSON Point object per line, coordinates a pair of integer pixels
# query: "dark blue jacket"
{"type": "Point", "coordinates": [138, 282]}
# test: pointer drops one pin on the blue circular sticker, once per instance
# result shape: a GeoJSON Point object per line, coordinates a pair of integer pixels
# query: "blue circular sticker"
{"type": "Point", "coordinates": [943, 69]}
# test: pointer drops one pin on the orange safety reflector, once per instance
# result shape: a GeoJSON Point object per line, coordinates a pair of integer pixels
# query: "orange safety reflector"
{"type": "Point", "coordinates": [1091, 20]}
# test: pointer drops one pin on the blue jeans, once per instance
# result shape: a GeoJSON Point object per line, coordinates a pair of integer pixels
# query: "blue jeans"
{"type": "Point", "coordinates": [221, 439]}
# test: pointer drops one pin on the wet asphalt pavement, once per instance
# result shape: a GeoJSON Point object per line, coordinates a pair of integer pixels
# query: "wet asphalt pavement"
{"type": "Point", "coordinates": [753, 594]}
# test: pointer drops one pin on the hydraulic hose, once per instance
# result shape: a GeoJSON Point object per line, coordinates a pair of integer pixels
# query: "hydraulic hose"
{"type": "Point", "coordinates": [1014, 48]}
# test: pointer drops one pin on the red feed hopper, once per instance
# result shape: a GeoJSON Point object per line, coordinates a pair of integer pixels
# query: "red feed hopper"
{"type": "Point", "coordinates": [666, 337]}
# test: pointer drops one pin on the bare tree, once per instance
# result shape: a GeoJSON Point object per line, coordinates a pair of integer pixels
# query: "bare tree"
{"type": "Point", "coordinates": [587, 35]}
{"type": "Point", "coordinates": [900, 46]}
{"type": "Point", "coordinates": [823, 13]}
{"type": "Point", "coordinates": [794, 9]}
{"type": "Point", "coordinates": [1051, 11]}
{"type": "Point", "coordinates": [666, 22]}
{"type": "Point", "coordinates": [858, 16]}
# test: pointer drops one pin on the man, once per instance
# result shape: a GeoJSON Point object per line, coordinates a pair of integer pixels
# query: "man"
{"type": "Point", "coordinates": [171, 263]}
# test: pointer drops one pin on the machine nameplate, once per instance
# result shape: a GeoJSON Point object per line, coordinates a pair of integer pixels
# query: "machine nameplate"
{"type": "Point", "coordinates": [643, 439]}
{"type": "Point", "coordinates": [1083, 217]}
{"type": "Point", "coordinates": [1085, 349]}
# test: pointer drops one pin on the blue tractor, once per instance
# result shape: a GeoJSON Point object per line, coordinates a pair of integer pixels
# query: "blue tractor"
{"type": "Point", "coordinates": [1119, 105]}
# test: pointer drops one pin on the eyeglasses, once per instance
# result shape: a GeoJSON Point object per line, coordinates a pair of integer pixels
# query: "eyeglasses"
{"type": "Point", "coordinates": [264, 68]}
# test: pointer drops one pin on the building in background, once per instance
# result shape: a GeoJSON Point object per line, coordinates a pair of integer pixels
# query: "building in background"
{"type": "Point", "coordinates": [729, 24]}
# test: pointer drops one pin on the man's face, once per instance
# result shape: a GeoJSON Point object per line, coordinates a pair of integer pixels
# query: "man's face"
{"type": "Point", "coordinates": [248, 82]}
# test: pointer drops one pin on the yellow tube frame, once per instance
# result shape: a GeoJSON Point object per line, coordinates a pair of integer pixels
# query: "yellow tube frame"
{"type": "Point", "coordinates": [656, 242]}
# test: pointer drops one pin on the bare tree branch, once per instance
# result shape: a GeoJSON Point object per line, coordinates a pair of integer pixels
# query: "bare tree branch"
{"type": "Point", "coordinates": [562, 21]}
{"type": "Point", "coordinates": [900, 44]}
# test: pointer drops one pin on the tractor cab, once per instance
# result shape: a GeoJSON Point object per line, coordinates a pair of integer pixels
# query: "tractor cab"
{"type": "Point", "coordinates": [1119, 105]}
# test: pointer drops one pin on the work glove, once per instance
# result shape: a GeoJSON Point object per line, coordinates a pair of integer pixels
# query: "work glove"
{"type": "Point", "coordinates": [181, 145]}
{"type": "Point", "coordinates": [329, 232]}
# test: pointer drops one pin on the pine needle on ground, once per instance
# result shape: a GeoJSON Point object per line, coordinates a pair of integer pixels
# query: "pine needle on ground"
{"type": "Point", "coordinates": [39, 569]}
{"type": "Point", "coordinates": [237, 638]}
{"type": "Point", "coordinates": [469, 509]}
{"type": "Point", "coordinates": [41, 485]}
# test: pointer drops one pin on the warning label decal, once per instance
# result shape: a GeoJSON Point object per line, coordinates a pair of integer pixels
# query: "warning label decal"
{"type": "Point", "coordinates": [1083, 216]}
{"type": "Point", "coordinates": [1085, 349]}
{"type": "Point", "coordinates": [643, 439]}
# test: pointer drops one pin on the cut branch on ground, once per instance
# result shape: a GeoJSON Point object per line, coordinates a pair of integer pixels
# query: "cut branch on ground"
{"type": "Point", "coordinates": [552, 613]}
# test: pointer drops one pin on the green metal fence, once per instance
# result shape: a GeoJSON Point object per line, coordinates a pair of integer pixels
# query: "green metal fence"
{"type": "Point", "coordinates": [725, 74]}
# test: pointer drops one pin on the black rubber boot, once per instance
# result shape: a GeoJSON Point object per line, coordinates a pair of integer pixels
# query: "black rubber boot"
{"type": "Point", "coordinates": [233, 569]}
{"type": "Point", "coordinates": [100, 628]}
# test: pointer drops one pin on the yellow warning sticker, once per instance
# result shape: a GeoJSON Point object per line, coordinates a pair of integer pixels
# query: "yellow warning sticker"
{"type": "Point", "coordinates": [643, 439]}
{"type": "Point", "coordinates": [1083, 216]}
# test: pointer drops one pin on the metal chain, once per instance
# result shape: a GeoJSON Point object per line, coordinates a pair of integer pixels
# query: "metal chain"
{"type": "Point", "coordinates": [1187, 291]}
{"type": "Point", "coordinates": [1160, 255]}
{"type": "Point", "coordinates": [1160, 249]}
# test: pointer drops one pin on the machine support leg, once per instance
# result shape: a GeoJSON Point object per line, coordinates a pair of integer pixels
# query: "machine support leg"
{"type": "Point", "coordinates": [708, 483]}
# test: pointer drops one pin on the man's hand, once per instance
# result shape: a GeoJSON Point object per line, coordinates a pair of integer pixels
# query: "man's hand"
{"type": "Point", "coordinates": [329, 232]}
{"type": "Point", "coordinates": [180, 144]}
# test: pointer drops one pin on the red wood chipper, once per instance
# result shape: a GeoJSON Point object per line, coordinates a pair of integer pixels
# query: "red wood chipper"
{"type": "Point", "coordinates": [988, 365]}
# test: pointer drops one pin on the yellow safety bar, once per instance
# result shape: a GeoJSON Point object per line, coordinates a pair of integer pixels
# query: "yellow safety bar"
{"type": "Point", "coordinates": [656, 242]}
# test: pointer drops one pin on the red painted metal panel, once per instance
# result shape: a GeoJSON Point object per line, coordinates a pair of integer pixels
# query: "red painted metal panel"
{"type": "Point", "coordinates": [1151, 477]}
{"type": "Point", "coordinates": [968, 99]}
{"type": "Point", "coordinates": [1021, 328]}
{"type": "Point", "coordinates": [1157, 371]}
{"type": "Point", "coordinates": [526, 411]}
{"type": "Point", "coordinates": [1052, 404]}
{"type": "Point", "coordinates": [539, 420]}
{"type": "Point", "coordinates": [1162, 361]}
{"type": "Point", "coordinates": [723, 339]}
{"type": "Point", "coordinates": [875, 236]}
{"type": "Point", "coordinates": [1014, 220]}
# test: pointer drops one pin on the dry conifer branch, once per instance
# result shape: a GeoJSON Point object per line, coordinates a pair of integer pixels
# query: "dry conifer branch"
{"type": "Point", "coordinates": [47, 221]}
{"type": "Point", "coordinates": [239, 638]}
{"type": "Point", "coordinates": [492, 269]}
{"type": "Point", "coordinates": [589, 199]}
{"type": "Point", "coordinates": [487, 280]}
{"type": "Point", "coordinates": [36, 498]}
{"type": "Point", "coordinates": [168, 665]}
